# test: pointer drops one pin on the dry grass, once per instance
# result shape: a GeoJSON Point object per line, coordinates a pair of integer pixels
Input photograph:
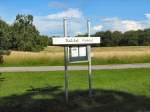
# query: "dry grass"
{"type": "Point", "coordinates": [53, 55]}
{"type": "Point", "coordinates": [122, 48]}
{"type": "Point", "coordinates": [31, 55]}
{"type": "Point", "coordinates": [32, 58]}
{"type": "Point", "coordinates": [120, 54]}
{"type": "Point", "coordinates": [53, 49]}
{"type": "Point", "coordinates": [107, 52]}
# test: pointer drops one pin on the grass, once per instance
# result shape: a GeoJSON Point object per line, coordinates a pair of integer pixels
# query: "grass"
{"type": "Point", "coordinates": [33, 59]}
{"type": "Point", "coordinates": [114, 91]}
{"type": "Point", "coordinates": [103, 55]}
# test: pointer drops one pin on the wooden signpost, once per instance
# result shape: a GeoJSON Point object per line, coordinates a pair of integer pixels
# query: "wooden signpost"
{"type": "Point", "coordinates": [76, 50]}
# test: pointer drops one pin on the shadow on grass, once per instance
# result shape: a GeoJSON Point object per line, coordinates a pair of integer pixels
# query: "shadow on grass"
{"type": "Point", "coordinates": [1, 78]}
{"type": "Point", "coordinates": [51, 99]}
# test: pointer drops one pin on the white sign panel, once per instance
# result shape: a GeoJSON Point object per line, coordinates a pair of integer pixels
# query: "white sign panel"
{"type": "Point", "coordinates": [76, 40]}
{"type": "Point", "coordinates": [74, 51]}
{"type": "Point", "coordinates": [82, 51]}
{"type": "Point", "coordinates": [78, 53]}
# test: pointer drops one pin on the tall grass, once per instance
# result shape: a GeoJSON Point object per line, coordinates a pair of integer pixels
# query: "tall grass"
{"type": "Point", "coordinates": [102, 55]}
{"type": "Point", "coordinates": [30, 58]}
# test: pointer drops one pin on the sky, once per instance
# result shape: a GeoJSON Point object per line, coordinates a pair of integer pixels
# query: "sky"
{"type": "Point", "coordinates": [113, 15]}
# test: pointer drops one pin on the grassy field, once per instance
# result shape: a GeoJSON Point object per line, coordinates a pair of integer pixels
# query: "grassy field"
{"type": "Point", "coordinates": [114, 91]}
{"type": "Point", "coordinates": [54, 56]}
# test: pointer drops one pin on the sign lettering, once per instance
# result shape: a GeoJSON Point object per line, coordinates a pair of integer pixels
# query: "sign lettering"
{"type": "Point", "coordinates": [76, 40]}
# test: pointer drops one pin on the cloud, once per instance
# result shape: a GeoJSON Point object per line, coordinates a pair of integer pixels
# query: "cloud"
{"type": "Point", "coordinates": [56, 4]}
{"type": "Point", "coordinates": [131, 25]}
{"type": "Point", "coordinates": [70, 13]}
{"type": "Point", "coordinates": [98, 27]}
{"type": "Point", "coordinates": [52, 24]}
{"type": "Point", "coordinates": [123, 25]}
{"type": "Point", "coordinates": [116, 24]}
{"type": "Point", "coordinates": [48, 27]}
{"type": "Point", "coordinates": [147, 15]}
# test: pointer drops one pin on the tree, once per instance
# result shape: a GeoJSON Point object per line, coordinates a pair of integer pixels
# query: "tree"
{"type": "Point", "coordinates": [106, 39]}
{"type": "Point", "coordinates": [4, 40]}
{"type": "Point", "coordinates": [4, 35]}
{"type": "Point", "coordinates": [116, 38]}
{"type": "Point", "coordinates": [130, 38]}
{"type": "Point", "coordinates": [144, 37]}
{"type": "Point", "coordinates": [25, 36]}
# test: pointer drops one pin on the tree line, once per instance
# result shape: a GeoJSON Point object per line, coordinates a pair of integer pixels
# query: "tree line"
{"type": "Point", "coordinates": [117, 38]}
{"type": "Point", "coordinates": [129, 38]}
{"type": "Point", "coordinates": [22, 35]}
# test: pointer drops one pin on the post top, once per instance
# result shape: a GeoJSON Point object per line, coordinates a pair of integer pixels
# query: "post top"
{"type": "Point", "coordinates": [65, 18]}
{"type": "Point", "coordinates": [88, 19]}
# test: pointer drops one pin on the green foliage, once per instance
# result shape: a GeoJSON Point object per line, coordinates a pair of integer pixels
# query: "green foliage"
{"type": "Point", "coordinates": [129, 38]}
{"type": "Point", "coordinates": [22, 35]}
{"type": "Point", "coordinates": [50, 41]}
{"type": "Point", "coordinates": [116, 38]}
{"type": "Point", "coordinates": [5, 31]}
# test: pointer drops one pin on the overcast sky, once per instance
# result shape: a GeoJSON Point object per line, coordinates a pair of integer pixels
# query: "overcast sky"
{"type": "Point", "coordinates": [122, 15]}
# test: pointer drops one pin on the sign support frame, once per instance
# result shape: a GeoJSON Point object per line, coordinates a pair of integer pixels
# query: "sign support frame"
{"type": "Point", "coordinates": [89, 59]}
{"type": "Point", "coordinates": [65, 61]}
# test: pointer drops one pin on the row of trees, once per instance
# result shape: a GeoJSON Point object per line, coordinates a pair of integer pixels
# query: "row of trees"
{"type": "Point", "coordinates": [21, 35]}
{"type": "Point", "coordinates": [129, 38]}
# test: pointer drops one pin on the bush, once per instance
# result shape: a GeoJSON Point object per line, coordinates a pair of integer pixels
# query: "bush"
{"type": "Point", "coordinates": [2, 53]}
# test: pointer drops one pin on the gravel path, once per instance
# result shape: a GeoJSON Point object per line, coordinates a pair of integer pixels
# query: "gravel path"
{"type": "Point", "coordinates": [61, 68]}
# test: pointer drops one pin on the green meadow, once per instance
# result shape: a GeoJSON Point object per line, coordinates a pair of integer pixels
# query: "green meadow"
{"type": "Point", "coordinates": [113, 91]}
